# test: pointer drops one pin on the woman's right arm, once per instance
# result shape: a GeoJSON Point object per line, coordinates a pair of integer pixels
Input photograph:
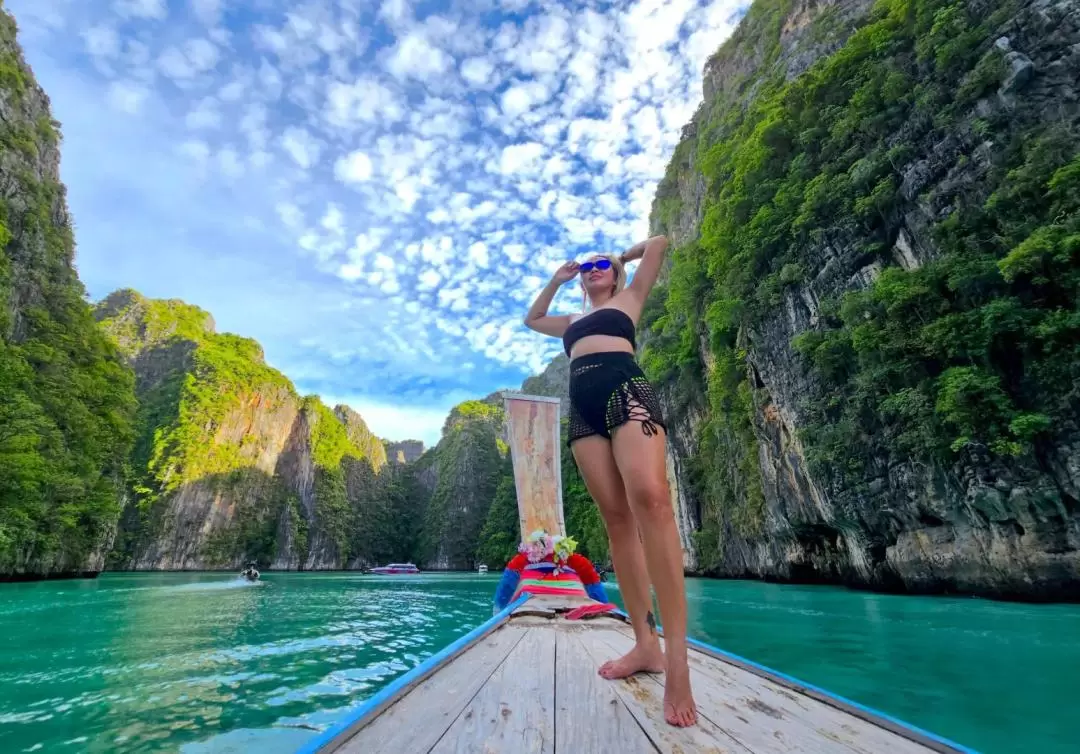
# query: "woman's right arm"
{"type": "Point", "coordinates": [537, 317]}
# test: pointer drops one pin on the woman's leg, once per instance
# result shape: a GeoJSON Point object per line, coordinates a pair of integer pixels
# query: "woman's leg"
{"type": "Point", "coordinates": [605, 485]}
{"type": "Point", "coordinates": [641, 461]}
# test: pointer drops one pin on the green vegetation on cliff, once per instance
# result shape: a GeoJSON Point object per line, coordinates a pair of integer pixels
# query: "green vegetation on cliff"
{"type": "Point", "coordinates": [189, 379]}
{"type": "Point", "coordinates": [499, 537]}
{"type": "Point", "coordinates": [973, 342]}
{"type": "Point", "coordinates": [66, 400]}
{"type": "Point", "coordinates": [223, 437]}
{"type": "Point", "coordinates": [467, 466]}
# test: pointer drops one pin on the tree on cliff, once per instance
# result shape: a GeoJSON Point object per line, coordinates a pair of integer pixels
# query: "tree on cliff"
{"type": "Point", "coordinates": [66, 400]}
{"type": "Point", "coordinates": [909, 206]}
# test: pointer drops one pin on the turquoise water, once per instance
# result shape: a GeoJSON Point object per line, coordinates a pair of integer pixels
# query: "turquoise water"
{"type": "Point", "coordinates": [204, 662]}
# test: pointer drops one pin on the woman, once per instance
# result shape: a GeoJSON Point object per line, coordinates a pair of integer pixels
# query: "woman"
{"type": "Point", "coordinates": [617, 436]}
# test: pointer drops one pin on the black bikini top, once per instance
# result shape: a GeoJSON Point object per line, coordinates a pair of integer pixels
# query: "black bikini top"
{"type": "Point", "coordinates": [609, 321]}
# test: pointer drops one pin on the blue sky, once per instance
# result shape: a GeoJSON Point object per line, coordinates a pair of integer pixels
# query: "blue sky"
{"type": "Point", "coordinates": [374, 190]}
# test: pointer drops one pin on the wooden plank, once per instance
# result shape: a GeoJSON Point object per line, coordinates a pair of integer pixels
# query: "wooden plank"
{"type": "Point", "coordinates": [533, 436]}
{"type": "Point", "coordinates": [416, 721]}
{"type": "Point", "coordinates": [897, 730]}
{"type": "Point", "coordinates": [514, 711]}
{"type": "Point", "coordinates": [589, 716]}
{"type": "Point", "coordinates": [537, 610]}
{"type": "Point", "coordinates": [644, 698]}
{"type": "Point", "coordinates": [759, 726]}
{"type": "Point", "coordinates": [854, 733]}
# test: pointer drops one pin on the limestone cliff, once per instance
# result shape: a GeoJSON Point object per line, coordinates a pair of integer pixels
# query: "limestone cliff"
{"type": "Point", "coordinates": [230, 463]}
{"type": "Point", "coordinates": [461, 474]}
{"type": "Point", "coordinates": [867, 335]}
{"type": "Point", "coordinates": [553, 382]}
{"type": "Point", "coordinates": [66, 400]}
{"type": "Point", "coordinates": [373, 448]}
{"type": "Point", "coordinates": [405, 451]}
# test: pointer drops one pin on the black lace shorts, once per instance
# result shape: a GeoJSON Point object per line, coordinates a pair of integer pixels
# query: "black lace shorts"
{"type": "Point", "coordinates": [607, 390]}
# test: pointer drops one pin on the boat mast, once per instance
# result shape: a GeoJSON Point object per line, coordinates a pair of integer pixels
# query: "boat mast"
{"type": "Point", "coordinates": [532, 431]}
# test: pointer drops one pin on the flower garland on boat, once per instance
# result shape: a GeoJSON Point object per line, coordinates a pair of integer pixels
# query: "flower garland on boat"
{"type": "Point", "coordinates": [540, 545]}
{"type": "Point", "coordinates": [547, 564]}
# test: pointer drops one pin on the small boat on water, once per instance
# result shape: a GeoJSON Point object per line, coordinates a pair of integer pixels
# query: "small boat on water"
{"type": "Point", "coordinates": [251, 573]}
{"type": "Point", "coordinates": [526, 679]}
{"type": "Point", "coordinates": [395, 569]}
{"type": "Point", "coordinates": [482, 568]}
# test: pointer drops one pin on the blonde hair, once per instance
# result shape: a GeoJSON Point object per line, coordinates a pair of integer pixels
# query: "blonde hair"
{"type": "Point", "coordinates": [620, 278]}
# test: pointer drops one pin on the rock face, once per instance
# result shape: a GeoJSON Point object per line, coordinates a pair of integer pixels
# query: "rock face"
{"type": "Point", "coordinates": [231, 464]}
{"type": "Point", "coordinates": [405, 451]}
{"type": "Point", "coordinates": [831, 417]}
{"type": "Point", "coordinates": [972, 518]}
{"type": "Point", "coordinates": [363, 438]}
{"type": "Point", "coordinates": [553, 382]}
{"type": "Point", "coordinates": [66, 400]}
{"type": "Point", "coordinates": [461, 474]}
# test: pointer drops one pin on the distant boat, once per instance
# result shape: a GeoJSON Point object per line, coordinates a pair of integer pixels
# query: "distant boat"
{"type": "Point", "coordinates": [395, 568]}
{"type": "Point", "coordinates": [482, 569]}
{"type": "Point", "coordinates": [250, 573]}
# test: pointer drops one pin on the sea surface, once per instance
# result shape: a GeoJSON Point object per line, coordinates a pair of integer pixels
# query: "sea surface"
{"type": "Point", "coordinates": [205, 662]}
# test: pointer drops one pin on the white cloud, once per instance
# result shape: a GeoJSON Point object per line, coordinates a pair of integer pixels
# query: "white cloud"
{"type": "Point", "coordinates": [205, 115]}
{"type": "Point", "coordinates": [366, 243]}
{"type": "Point", "coordinates": [427, 172]}
{"type": "Point", "coordinates": [478, 72]}
{"type": "Point", "coordinates": [415, 56]}
{"type": "Point", "coordinates": [334, 220]}
{"type": "Point", "coordinates": [198, 151]}
{"type": "Point", "coordinates": [521, 98]}
{"type": "Point", "coordinates": [102, 41]}
{"type": "Point", "coordinates": [203, 53]}
{"type": "Point", "coordinates": [230, 163]}
{"type": "Point", "coordinates": [207, 11]}
{"type": "Point", "coordinates": [366, 100]}
{"type": "Point", "coordinates": [429, 279]}
{"type": "Point", "coordinates": [353, 168]}
{"type": "Point", "coordinates": [127, 96]}
{"type": "Point", "coordinates": [518, 158]}
{"type": "Point", "coordinates": [394, 12]}
{"type": "Point", "coordinates": [151, 9]}
{"type": "Point", "coordinates": [290, 215]}
{"type": "Point", "coordinates": [301, 146]}
{"type": "Point", "coordinates": [478, 254]}
{"type": "Point", "coordinates": [515, 252]}
{"type": "Point", "coordinates": [195, 57]}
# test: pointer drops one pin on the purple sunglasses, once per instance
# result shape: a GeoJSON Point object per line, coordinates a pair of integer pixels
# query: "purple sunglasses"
{"type": "Point", "coordinates": [600, 264]}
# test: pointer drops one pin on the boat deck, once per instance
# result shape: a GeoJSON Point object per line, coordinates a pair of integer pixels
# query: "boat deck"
{"type": "Point", "coordinates": [529, 684]}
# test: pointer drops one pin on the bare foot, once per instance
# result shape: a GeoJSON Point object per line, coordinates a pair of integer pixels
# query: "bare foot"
{"type": "Point", "coordinates": [641, 658]}
{"type": "Point", "coordinates": [679, 707]}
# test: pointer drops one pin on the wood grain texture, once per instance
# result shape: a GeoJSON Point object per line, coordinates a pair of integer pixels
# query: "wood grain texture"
{"type": "Point", "coordinates": [533, 436]}
{"type": "Point", "coordinates": [589, 716]}
{"type": "Point", "coordinates": [644, 698]}
{"type": "Point", "coordinates": [761, 728]}
{"type": "Point", "coordinates": [515, 710]}
{"type": "Point", "coordinates": [811, 726]}
{"type": "Point", "coordinates": [419, 719]}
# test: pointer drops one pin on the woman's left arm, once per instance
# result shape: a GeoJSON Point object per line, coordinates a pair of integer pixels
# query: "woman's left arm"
{"type": "Point", "coordinates": [651, 254]}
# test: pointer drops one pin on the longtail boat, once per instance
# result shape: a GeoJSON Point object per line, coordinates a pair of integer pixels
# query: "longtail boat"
{"type": "Point", "coordinates": [526, 680]}
{"type": "Point", "coordinates": [394, 569]}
